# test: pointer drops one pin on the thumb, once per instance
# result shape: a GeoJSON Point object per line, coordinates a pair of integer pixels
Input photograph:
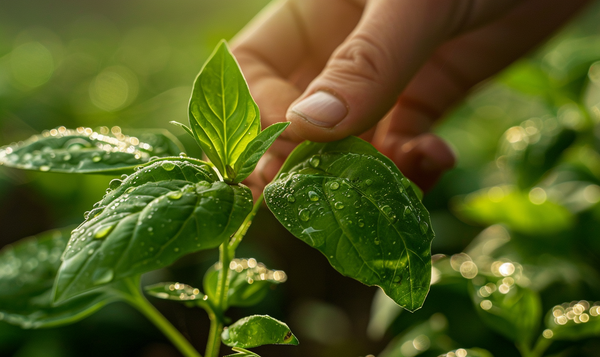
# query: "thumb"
{"type": "Point", "coordinates": [365, 75]}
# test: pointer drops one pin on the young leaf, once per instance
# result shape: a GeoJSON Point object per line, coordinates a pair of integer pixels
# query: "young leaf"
{"type": "Point", "coordinates": [508, 308]}
{"type": "Point", "coordinates": [174, 291]}
{"type": "Point", "coordinates": [258, 330]}
{"type": "Point", "coordinates": [352, 204]}
{"type": "Point", "coordinates": [573, 321]}
{"type": "Point", "coordinates": [184, 127]}
{"type": "Point", "coordinates": [242, 353]}
{"type": "Point", "coordinates": [150, 219]}
{"type": "Point", "coordinates": [84, 151]}
{"type": "Point", "coordinates": [256, 149]}
{"type": "Point", "coordinates": [249, 281]}
{"type": "Point", "coordinates": [222, 113]}
{"type": "Point", "coordinates": [27, 271]}
{"type": "Point", "coordinates": [521, 212]}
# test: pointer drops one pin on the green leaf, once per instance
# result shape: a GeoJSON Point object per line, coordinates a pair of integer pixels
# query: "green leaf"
{"type": "Point", "coordinates": [222, 113]}
{"type": "Point", "coordinates": [27, 271]}
{"type": "Point", "coordinates": [530, 150]}
{"type": "Point", "coordinates": [258, 330]}
{"type": "Point", "coordinates": [150, 219]}
{"type": "Point", "coordinates": [384, 312]}
{"type": "Point", "coordinates": [184, 127]}
{"type": "Point", "coordinates": [352, 204]}
{"type": "Point", "coordinates": [83, 150]}
{"type": "Point", "coordinates": [174, 291]}
{"type": "Point", "coordinates": [242, 353]}
{"type": "Point", "coordinates": [249, 281]}
{"type": "Point", "coordinates": [573, 321]}
{"type": "Point", "coordinates": [508, 308]}
{"type": "Point", "coordinates": [427, 336]}
{"type": "Point", "coordinates": [256, 149]}
{"type": "Point", "coordinates": [523, 212]}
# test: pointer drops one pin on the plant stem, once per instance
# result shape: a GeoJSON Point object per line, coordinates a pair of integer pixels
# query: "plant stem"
{"type": "Point", "coordinates": [214, 336]}
{"type": "Point", "coordinates": [239, 235]}
{"type": "Point", "coordinates": [541, 346]}
{"type": "Point", "coordinates": [137, 300]}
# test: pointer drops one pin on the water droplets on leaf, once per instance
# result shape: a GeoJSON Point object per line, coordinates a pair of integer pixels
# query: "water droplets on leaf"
{"type": "Point", "coordinates": [114, 184]}
{"type": "Point", "coordinates": [304, 215]}
{"type": "Point", "coordinates": [424, 227]}
{"type": "Point", "coordinates": [175, 195]}
{"type": "Point", "coordinates": [45, 168]}
{"type": "Point", "coordinates": [103, 232]}
{"type": "Point", "coordinates": [313, 196]}
{"type": "Point", "coordinates": [338, 205]}
{"type": "Point", "coordinates": [315, 161]}
{"type": "Point", "coordinates": [368, 182]}
{"type": "Point", "coordinates": [103, 276]}
{"type": "Point", "coordinates": [361, 223]}
{"type": "Point", "coordinates": [407, 212]}
{"type": "Point", "coordinates": [97, 158]}
{"type": "Point", "coordinates": [168, 166]}
{"type": "Point", "coordinates": [291, 198]}
{"type": "Point", "coordinates": [334, 185]}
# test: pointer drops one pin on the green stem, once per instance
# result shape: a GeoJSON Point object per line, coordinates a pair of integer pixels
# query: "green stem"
{"type": "Point", "coordinates": [214, 336]}
{"type": "Point", "coordinates": [137, 300]}
{"type": "Point", "coordinates": [541, 346]}
{"type": "Point", "coordinates": [239, 235]}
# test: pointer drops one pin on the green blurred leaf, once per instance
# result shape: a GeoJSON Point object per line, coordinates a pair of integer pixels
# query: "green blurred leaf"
{"type": "Point", "coordinates": [384, 312]}
{"type": "Point", "coordinates": [258, 330]}
{"type": "Point", "coordinates": [510, 309]}
{"type": "Point", "coordinates": [530, 150]}
{"type": "Point", "coordinates": [163, 211]}
{"type": "Point", "coordinates": [515, 209]}
{"type": "Point", "coordinates": [27, 272]}
{"type": "Point", "coordinates": [242, 353]}
{"type": "Point", "coordinates": [174, 291]}
{"type": "Point", "coordinates": [429, 336]}
{"type": "Point", "coordinates": [352, 204]}
{"type": "Point", "coordinates": [222, 113]}
{"type": "Point", "coordinates": [573, 321]}
{"type": "Point", "coordinates": [249, 281]}
{"type": "Point", "coordinates": [256, 149]}
{"type": "Point", "coordinates": [85, 151]}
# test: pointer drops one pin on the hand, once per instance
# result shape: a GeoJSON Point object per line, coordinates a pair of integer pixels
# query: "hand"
{"type": "Point", "coordinates": [335, 68]}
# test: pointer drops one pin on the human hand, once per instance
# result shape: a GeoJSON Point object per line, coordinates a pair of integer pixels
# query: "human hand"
{"type": "Point", "coordinates": [335, 68]}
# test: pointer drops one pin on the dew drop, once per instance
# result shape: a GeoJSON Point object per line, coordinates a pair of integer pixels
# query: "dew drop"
{"type": "Point", "coordinates": [45, 168]}
{"type": "Point", "coordinates": [387, 210]}
{"type": "Point", "coordinates": [376, 241]}
{"type": "Point", "coordinates": [407, 211]}
{"type": "Point", "coordinates": [313, 196]}
{"type": "Point", "coordinates": [291, 198]}
{"type": "Point", "coordinates": [424, 227]}
{"type": "Point", "coordinates": [103, 276]}
{"type": "Point", "coordinates": [168, 166]}
{"type": "Point", "coordinates": [150, 229]}
{"type": "Point", "coordinates": [315, 161]}
{"type": "Point", "coordinates": [182, 154]}
{"type": "Point", "coordinates": [334, 185]}
{"type": "Point", "coordinates": [96, 158]}
{"type": "Point", "coordinates": [90, 252]}
{"type": "Point", "coordinates": [338, 205]}
{"type": "Point", "coordinates": [175, 195]}
{"type": "Point", "coordinates": [304, 215]}
{"type": "Point", "coordinates": [103, 232]}
{"type": "Point", "coordinates": [368, 182]}
{"type": "Point", "coordinates": [114, 184]}
{"type": "Point", "coordinates": [361, 223]}
{"type": "Point", "coordinates": [130, 189]}
{"type": "Point", "coordinates": [67, 157]}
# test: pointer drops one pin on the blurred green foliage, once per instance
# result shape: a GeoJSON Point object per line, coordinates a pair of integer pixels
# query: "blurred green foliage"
{"type": "Point", "coordinates": [132, 63]}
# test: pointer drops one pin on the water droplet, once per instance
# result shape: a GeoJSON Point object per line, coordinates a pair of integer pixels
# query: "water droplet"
{"type": "Point", "coordinates": [387, 210]}
{"type": "Point", "coordinates": [334, 185]}
{"type": "Point", "coordinates": [424, 227]}
{"type": "Point", "coordinates": [338, 205]}
{"type": "Point", "coordinates": [168, 166]}
{"type": "Point", "coordinates": [315, 161]}
{"type": "Point", "coordinates": [114, 184]}
{"type": "Point", "coordinates": [291, 198]}
{"type": "Point", "coordinates": [150, 229]}
{"type": "Point", "coordinates": [176, 250]}
{"type": "Point", "coordinates": [96, 158]}
{"type": "Point", "coordinates": [103, 276]}
{"type": "Point", "coordinates": [90, 252]}
{"type": "Point", "coordinates": [313, 196]}
{"type": "Point", "coordinates": [103, 231]}
{"type": "Point", "coordinates": [130, 189]}
{"type": "Point", "coordinates": [361, 223]}
{"type": "Point", "coordinates": [67, 157]}
{"type": "Point", "coordinates": [45, 168]}
{"type": "Point", "coordinates": [304, 215]}
{"type": "Point", "coordinates": [376, 241]}
{"type": "Point", "coordinates": [175, 195]}
{"type": "Point", "coordinates": [368, 182]}
{"type": "Point", "coordinates": [405, 182]}
{"type": "Point", "coordinates": [407, 211]}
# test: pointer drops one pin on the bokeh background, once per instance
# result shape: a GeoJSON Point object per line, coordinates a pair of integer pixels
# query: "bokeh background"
{"type": "Point", "coordinates": [132, 63]}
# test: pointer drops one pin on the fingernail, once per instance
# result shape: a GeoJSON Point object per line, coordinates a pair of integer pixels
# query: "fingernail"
{"type": "Point", "coordinates": [322, 109]}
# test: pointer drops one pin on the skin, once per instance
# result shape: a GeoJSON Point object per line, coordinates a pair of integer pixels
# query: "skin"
{"type": "Point", "coordinates": [395, 65]}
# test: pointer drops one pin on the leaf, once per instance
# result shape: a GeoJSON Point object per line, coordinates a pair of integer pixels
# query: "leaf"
{"type": "Point", "coordinates": [573, 321]}
{"type": "Point", "coordinates": [222, 113]}
{"type": "Point", "coordinates": [352, 204]}
{"type": "Point", "coordinates": [242, 353]}
{"type": "Point", "coordinates": [427, 336]}
{"type": "Point", "coordinates": [470, 352]}
{"type": "Point", "coordinates": [515, 209]}
{"type": "Point", "coordinates": [27, 271]}
{"type": "Point", "coordinates": [85, 151]}
{"type": "Point", "coordinates": [258, 330]}
{"type": "Point", "coordinates": [530, 150]}
{"type": "Point", "coordinates": [184, 127]}
{"type": "Point", "coordinates": [508, 308]}
{"type": "Point", "coordinates": [256, 149]}
{"type": "Point", "coordinates": [249, 281]}
{"type": "Point", "coordinates": [150, 219]}
{"type": "Point", "coordinates": [384, 312]}
{"type": "Point", "coordinates": [174, 291]}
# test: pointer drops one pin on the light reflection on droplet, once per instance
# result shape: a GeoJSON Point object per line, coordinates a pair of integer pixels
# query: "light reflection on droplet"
{"type": "Point", "coordinates": [506, 269]}
{"type": "Point", "coordinates": [468, 269]}
{"type": "Point", "coordinates": [486, 304]}
{"type": "Point", "coordinates": [537, 196]}
{"type": "Point", "coordinates": [548, 333]}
